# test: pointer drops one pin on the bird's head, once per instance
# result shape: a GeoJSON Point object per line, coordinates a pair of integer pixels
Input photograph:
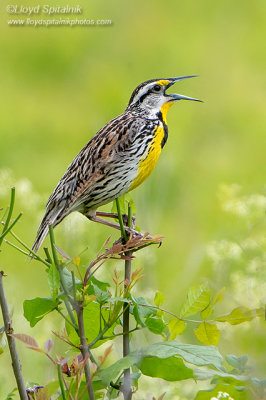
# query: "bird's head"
{"type": "Point", "coordinates": [151, 98]}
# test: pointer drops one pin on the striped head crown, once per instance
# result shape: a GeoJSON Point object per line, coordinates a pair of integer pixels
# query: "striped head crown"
{"type": "Point", "coordinates": [151, 96]}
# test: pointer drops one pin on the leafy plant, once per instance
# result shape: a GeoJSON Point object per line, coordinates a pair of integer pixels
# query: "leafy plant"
{"type": "Point", "coordinates": [97, 312]}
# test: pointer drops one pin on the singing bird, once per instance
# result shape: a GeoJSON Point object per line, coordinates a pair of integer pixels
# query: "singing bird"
{"type": "Point", "coordinates": [117, 159]}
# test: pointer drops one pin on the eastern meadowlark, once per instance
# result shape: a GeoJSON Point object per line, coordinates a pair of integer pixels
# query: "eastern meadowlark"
{"type": "Point", "coordinates": [117, 159]}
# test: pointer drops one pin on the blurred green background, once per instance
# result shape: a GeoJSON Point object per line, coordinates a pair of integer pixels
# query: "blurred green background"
{"type": "Point", "coordinates": [59, 85]}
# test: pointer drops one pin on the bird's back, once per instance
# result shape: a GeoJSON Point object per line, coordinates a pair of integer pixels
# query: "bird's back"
{"type": "Point", "coordinates": [107, 167]}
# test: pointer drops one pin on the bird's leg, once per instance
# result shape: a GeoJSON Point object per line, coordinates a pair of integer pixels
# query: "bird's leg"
{"type": "Point", "coordinates": [106, 214]}
{"type": "Point", "coordinates": [112, 224]}
{"type": "Point", "coordinates": [113, 215]}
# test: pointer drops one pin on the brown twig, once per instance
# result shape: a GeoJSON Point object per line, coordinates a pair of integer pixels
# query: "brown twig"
{"type": "Point", "coordinates": [11, 342]}
{"type": "Point", "coordinates": [127, 391]}
{"type": "Point", "coordinates": [84, 348]}
{"type": "Point", "coordinates": [126, 387]}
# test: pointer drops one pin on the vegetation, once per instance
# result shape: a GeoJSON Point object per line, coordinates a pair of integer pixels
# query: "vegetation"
{"type": "Point", "coordinates": [95, 312]}
{"type": "Point", "coordinates": [59, 85]}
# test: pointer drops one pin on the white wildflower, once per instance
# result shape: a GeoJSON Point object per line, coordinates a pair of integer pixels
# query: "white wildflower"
{"type": "Point", "coordinates": [223, 249]}
{"type": "Point", "coordinates": [253, 205]}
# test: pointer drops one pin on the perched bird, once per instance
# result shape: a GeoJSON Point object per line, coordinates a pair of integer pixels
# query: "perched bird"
{"type": "Point", "coordinates": [117, 159]}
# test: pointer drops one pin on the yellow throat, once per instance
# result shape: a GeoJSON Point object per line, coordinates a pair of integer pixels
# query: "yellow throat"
{"type": "Point", "coordinates": [151, 156]}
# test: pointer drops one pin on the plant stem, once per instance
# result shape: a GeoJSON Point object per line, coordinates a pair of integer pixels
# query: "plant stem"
{"type": "Point", "coordinates": [16, 247]}
{"type": "Point", "coordinates": [174, 315]}
{"type": "Point", "coordinates": [100, 336]}
{"type": "Point", "coordinates": [84, 350]}
{"type": "Point", "coordinates": [74, 286]}
{"type": "Point", "coordinates": [120, 219]}
{"type": "Point", "coordinates": [60, 379]}
{"type": "Point", "coordinates": [30, 251]}
{"type": "Point", "coordinates": [49, 258]}
{"type": "Point", "coordinates": [65, 318]}
{"type": "Point", "coordinates": [62, 279]}
{"type": "Point", "coordinates": [126, 389]}
{"type": "Point", "coordinates": [11, 342]}
{"type": "Point", "coordinates": [10, 211]}
{"type": "Point", "coordinates": [120, 334]}
{"type": "Point", "coordinates": [8, 229]}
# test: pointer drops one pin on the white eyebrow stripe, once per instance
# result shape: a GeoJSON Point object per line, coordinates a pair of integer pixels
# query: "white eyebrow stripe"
{"type": "Point", "coordinates": [142, 91]}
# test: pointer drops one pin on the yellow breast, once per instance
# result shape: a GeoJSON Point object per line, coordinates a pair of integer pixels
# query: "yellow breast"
{"type": "Point", "coordinates": [150, 159]}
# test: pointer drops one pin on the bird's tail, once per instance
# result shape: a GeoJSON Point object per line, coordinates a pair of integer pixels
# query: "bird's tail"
{"type": "Point", "coordinates": [50, 218]}
{"type": "Point", "coordinates": [41, 235]}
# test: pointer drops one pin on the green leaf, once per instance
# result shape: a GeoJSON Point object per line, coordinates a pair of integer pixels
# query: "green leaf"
{"type": "Point", "coordinates": [51, 388]}
{"type": "Point", "coordinates": [176, 327]}
{"type": "Point", "coordinates": [141, 312]}
{"type": "Point", "coordinates": [2, 342]}
{"type": "Point", "coordinates": [155, 325]}
{"type": "Point", "coordinates": [36, 309]}
{"type": "Point", "coordinates": [53, 280]}
{"type": "Point", "coordinates": [68, 280]}
{"type": "Point", "coordinates": [207, 333]}
{"type": "Point", "coordinates": [110, 373]}
{"type": "Point", "coordinates": [169, 369]}
{"type": "Point", "coordinates": [229, 392]}
{"type": "Point", "coordinates": [206, 374]}
{"type": "Point", "coordinates": [193, 354]}
{"type": "Point", "coordinates": [91, 325]}
{"type": "Point", "coordinates": [237, 362]}
{"type": "Point", "coordinates": [241, 314]}
{"type": "Point", "coordinates": [159, 299]}
{"type": "Point", "coordinates": [101, 285]}
{"type": "Point", "coordinates": [137, 316]}
{"type": "Point", "coordinates": [11, 394]}
{"type": "Point", "coordinates": [218, 297]}
{"type": "Point", "coordinates": [101, 296]}
{"type": "Point", "coordinates": [145, 312]}
{"type": "Point", "coordinates": [198, 299]}
{"type": "Point", "coordinates": [259, 387]}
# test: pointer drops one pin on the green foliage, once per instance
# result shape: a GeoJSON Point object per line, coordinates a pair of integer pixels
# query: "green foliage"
{"type": "Point", "coordinates": [198, 298]}
{"type": "Point", "coordinates": [11, 395]}
{"type": "Point", "coordinates": [93, 318]}
{"type": "Point", "coordinates": [142, 310]}
{"type": "Point", "coordinates": [176, 327]}
{"type": "Point", "coordinates": [53, 280]}
{"type": "Point", "coordinates": [51, 388]}
{"type": "Point", "coordinates": [207, 333]}
{"type": "Point", "coordinates": [159, 299]}
{"type": "Point", "coordinates": [124, 200]}
{"type": "Point", "coordinates": [227, 392]}
{"type": "Point", "coordinates": [2, 341]}
{"type": "Point", "coordinates": [241, 314]}
{"type": "Point", "coordinates": [102, 304]}
{"type": "Point", "coordinates": [169, 369]}
{"type": "Point", "coordinates": [36, 309]}
{"type": "Point", "coordinates": [217, 298]}
{"type": "Point", "coordinates": [196, 355]}
{"type": "Point", "coordinates": [239, 363]}
{"type": "Point", "coordinates": [155, 325]}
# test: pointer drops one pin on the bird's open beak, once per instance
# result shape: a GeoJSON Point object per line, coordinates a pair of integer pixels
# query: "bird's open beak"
{"type": "Point", "coordinates": [174, 96]}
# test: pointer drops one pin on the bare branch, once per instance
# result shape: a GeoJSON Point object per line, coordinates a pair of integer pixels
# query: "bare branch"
{"type": "Point", "coordinates": [11, 342]}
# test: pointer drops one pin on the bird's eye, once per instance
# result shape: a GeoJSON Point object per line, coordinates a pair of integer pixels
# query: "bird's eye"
{"type": "Point", "coordinates": [156, 88]}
